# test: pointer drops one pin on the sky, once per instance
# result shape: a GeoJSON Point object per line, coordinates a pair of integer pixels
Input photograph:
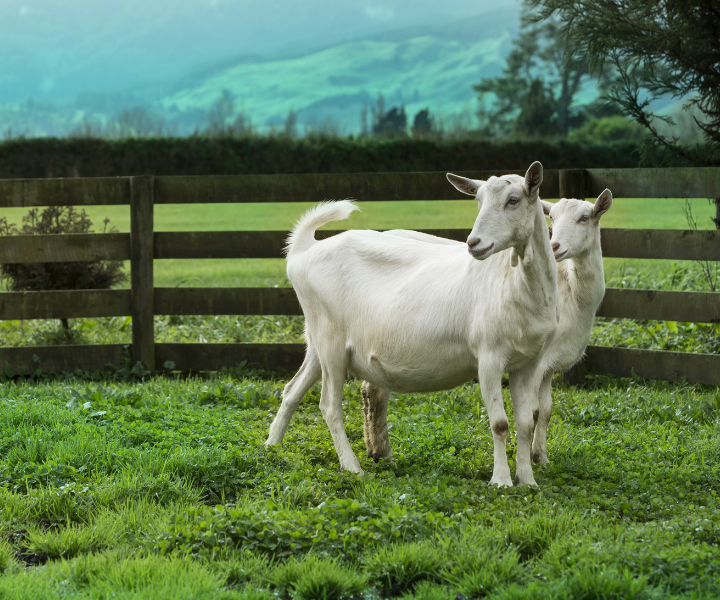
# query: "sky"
{"type": "Point", "coordinates": [54, 50]}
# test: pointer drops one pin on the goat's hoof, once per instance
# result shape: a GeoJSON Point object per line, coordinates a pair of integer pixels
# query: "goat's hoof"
{"type": "Point", "coordinates": [379, 456]}
{"type": "Point", "coordinates": [500, 483]}
{"type": "Point", "coordinates": [525, 481]}
{"type": "Point", "coordinates": [357, 469]}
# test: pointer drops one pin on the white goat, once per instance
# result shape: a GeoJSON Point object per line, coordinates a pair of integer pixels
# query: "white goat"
{"type": "Point", "coordinates": [411, 316]}
{"type": "Point", "coordinates": [576, 244]}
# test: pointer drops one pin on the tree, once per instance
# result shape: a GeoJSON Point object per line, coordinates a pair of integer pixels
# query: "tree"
{"type": "Point", "coordinates": [538, 115]}
{"type": "Point", "coordinates": [220, 118]}
{"type": "Point", "coordinates": [423, 123]}
{"type": "Point", "coordinates": [658, 48]}
{"type": "Point", "coordinates": [537, 59]}
{"type": "Point", "coordinates": [392, 123]}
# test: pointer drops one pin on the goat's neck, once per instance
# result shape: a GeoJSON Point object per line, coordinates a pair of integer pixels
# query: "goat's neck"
{"type": "Point", "coordinates": [582, 277]}
{"type": "Point", "coordinates": [536, 270]}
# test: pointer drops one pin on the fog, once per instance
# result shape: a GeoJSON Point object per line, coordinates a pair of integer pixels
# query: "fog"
{"type": "Point", "coordinates": [55, 50]}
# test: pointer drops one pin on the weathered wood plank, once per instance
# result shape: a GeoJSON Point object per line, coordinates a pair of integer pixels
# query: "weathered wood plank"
{"type": "Point", "coordinates": [653, 364]}
{"type": "Point", "coordinates": [573, 183]}
{"type": "Point", "coordinates": [64, 247]}
{"type": "Point", "coordinates": [686, 182]}
{"type": "Point", "coordinates": [78, 191]}
{"type": "Point", "coordinates": [617, 243]}
{"type": "Point", "coordinates": [141, 271]}
{"type": "Point", "coordinates": [226, 301]}
{"type": "Point", "coordinates": [53, 359]}
{"type": "Point", "coordinates": [695, 307]}
{"type": "Point", "coordinates": [212, 357]}
{"type": "Point", "coordinates": [247, 244]}
{"type": "Point", "coordinates": [73, 304]}
{"type": "Point", "coordinates": [365, 187]}
{"type": "Point", "coordinates": [674, 244]}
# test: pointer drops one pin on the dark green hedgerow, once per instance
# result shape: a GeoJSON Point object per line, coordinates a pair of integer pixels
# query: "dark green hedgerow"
{"type": "Point", "coordinates": [74, 157]}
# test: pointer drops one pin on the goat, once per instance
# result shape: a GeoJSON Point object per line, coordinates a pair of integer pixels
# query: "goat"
{"type": "Point", "coordinates": [410, 316]}
{"type": "Point", "coordinates": [575, 241]}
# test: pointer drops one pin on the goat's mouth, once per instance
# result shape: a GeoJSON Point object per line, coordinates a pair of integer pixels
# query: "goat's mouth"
{"type": "Point", "coordinates": [479, 253]}
{"type": "Point", "coordinates": [559, 257]}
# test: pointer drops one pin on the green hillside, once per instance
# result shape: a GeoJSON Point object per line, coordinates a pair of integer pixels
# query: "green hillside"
{"type": "Point", "coordinates": [420, 67]}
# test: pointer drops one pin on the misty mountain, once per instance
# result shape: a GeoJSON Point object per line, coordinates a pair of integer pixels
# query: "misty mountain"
{"type": "Point", "coordinates": [421, 67]}
{"type": "Point", "coordinates": [54, 51]}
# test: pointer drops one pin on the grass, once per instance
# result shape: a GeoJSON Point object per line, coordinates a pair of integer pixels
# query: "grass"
{"type": "Point", "coordinates": [162, 489]}
{"type": "Point", "coordinates": [637, 213]}
{"type": "Point", "coordinates": [627, 213]}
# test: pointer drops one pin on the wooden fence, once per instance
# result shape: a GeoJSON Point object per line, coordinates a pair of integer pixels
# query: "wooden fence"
{"type": "Point", "coordinates": [143, 245]}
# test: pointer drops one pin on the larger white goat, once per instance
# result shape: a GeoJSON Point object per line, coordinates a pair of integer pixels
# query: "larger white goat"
{"type": "Point", "coordinates": [576, 245]}
{"type": "Point", "coordinates": [410, 316]}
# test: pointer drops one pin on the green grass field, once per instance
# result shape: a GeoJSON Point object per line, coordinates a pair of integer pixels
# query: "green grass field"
{"type": "Point", "coordinates": [625, 213]}
{"type": "Point", "coordinates": [636, 213]}
{"type": "Point", "coordinates": [162, 489]}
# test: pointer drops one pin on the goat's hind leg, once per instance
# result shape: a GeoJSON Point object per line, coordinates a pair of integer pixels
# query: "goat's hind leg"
{"type": "Point", "coordinates": [375, 405]}
{"type": "Point", "coordinates": [333, 376]}
{"type": "Point", "coordinates": [309, 374]}
{"type": "Point", "coordinates": [539, 446]}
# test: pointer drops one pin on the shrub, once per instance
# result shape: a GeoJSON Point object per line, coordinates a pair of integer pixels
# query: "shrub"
{"type": "Point", "coordinates": [607, 130]}
{"type": "Point", "coordinates": [30, 277]}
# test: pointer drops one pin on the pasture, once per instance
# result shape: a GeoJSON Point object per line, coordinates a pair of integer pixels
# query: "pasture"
{"type": "Point", "coordinates": [113, 486]}
{"type": "Point", "coordinates": [162, 489]}
{"type": "Point", "coordinates": [625, 213]}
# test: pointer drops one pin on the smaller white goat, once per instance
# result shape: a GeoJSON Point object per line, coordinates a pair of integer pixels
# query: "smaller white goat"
{"type": "Point", "coordinates": [575, 240]}
{"type": "Point", "coordinates": [416, 317]}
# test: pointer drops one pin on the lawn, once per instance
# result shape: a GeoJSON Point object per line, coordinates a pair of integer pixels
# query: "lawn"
{"type": "Point", "coordinates": [122, 488]}
{"type": "Point", "coordinates": [637, 213]}
{"type": "Point", "coordinates": [162, 489]}
{"type": "Point", "coordinates": [626, 213]}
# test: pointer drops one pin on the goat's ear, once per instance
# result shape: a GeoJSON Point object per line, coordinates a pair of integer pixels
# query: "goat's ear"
{"type": "Point", "coordinates": [602, 204]}
{"type": "Point", "coordinates": [533, 178]}
{"type": "Point", "coordinates": [465, 185]}
{"type": "Point", "coordinates": [546, 206]}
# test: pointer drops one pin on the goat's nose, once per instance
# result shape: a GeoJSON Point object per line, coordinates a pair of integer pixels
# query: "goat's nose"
{"type": "Point", "coordinates": [555, 246]}
{"type": "Point", "coordinates": [472, 242]}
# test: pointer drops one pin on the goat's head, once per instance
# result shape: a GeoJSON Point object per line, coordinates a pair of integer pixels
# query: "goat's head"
{"type": "Point", "coordinates": [508, 207]}
{"type": "Point", "coordinates": [576, 224]}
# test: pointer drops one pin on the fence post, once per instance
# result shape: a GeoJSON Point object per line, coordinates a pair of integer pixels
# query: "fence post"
{"type": "Point", "coordinates": [141, 270]}
{"type": "Point", "coordinates": [573, 183]}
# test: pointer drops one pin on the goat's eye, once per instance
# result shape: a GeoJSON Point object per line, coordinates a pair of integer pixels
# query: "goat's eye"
{"type": "Point", "coordinates": [513, 201]}
{"type": "Point", "coordinates": [584, 218]}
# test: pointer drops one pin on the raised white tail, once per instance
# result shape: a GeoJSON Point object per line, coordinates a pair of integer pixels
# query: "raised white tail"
{"type": "Point", "coordinates": [303, 234]}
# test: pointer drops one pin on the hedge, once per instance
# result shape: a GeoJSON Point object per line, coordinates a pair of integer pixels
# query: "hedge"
{"type": "Point", "coordinates": [86, 157]}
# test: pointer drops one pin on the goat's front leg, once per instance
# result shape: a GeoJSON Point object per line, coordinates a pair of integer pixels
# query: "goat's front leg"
{"type": "Point", "coordinates": [333, 376]}
{"type": "Point", "coordinates": [309, 374]}
{"type": "Point", "coordinates": [375, 405]}
{"type": "Point", "coordinates": [539, 445]}
{"type": "Point", "coordinates": [524, 387]}
{"type": "Point", "coordinates": [490, 377]}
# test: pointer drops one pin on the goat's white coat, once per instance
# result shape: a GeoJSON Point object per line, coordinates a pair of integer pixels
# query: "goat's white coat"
{"type": "Point", "coordinates": [409, 316]}
{"type": "Point", "coordinates": [581, 284]}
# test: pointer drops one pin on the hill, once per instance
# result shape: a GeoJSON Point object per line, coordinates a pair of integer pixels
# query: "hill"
{"type": "Point", "coordinates": [418, 67]}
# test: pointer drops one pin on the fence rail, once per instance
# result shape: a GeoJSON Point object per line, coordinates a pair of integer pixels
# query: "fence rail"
{"type": "Point", "coordinates": [143, 245]}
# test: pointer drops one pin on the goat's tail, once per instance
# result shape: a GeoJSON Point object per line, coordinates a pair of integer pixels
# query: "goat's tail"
{"type": "Point", "coordinates": [303, 234]}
